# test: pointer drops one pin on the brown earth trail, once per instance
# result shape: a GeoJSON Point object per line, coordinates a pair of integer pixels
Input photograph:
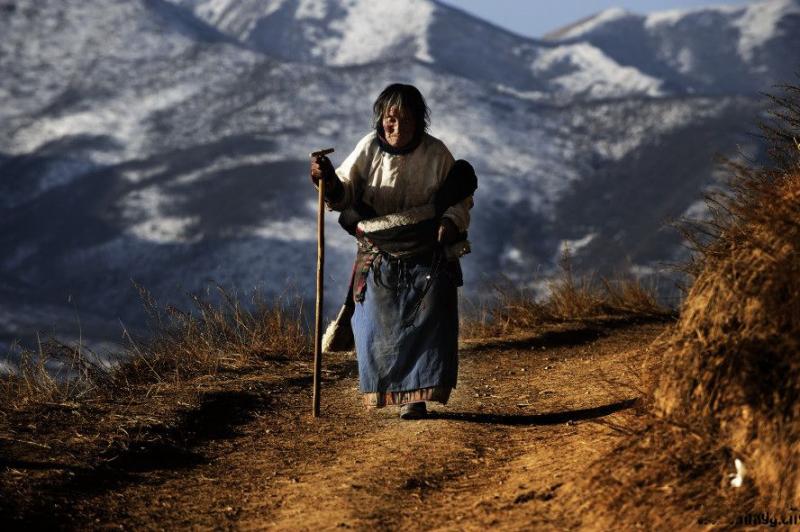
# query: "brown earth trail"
{"type": "Point", "coordinates": [531, 415]}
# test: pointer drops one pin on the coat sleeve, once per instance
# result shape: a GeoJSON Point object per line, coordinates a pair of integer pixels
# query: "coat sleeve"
{"type": "Point", "coordinates": [352, 173]}
{"type": "Point", "coordinates": [458, 213]}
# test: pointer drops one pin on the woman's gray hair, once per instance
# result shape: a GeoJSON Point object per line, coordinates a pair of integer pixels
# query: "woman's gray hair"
{"type": "Point", "coordinates": [408, 99]}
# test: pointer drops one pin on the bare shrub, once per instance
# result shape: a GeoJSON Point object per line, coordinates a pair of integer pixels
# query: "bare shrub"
{"type": "Point", "coordinates": [54, 373]}
{"type": "Point", "coordinates": [221, 333]}
{"type": "Point", "coordinates": [218, 334]}
{"type": "Point", "coordinates": [629, 295]}
{"type": "Point", "coordinates": [569, 298]}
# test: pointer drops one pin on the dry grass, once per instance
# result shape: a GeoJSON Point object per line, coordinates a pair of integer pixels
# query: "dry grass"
{"type": "Point", "coordinates": [724, 381]}
{"type": "Point", "coordinates": [54, 373]}
{"type": "Point", "coordinates": [731, 365]}
{"type": "Point", "coordinates": [219, 332]}
{"type": "Point", "coordinates": [569, 298]}
{"type": "Point", "coordinates": [664, 476]}
{"type": "Point", "coordinates": [196, 373]}
{"type": "Point", "coordinates": [222, 332]}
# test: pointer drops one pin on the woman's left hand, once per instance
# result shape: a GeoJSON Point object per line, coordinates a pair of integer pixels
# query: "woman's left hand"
{"type": "Point", "coordinates": [448, 232]}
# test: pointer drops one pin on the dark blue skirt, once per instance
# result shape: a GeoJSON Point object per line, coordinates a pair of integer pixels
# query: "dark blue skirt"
{"type": "Point", "coordinates": [406, 342]}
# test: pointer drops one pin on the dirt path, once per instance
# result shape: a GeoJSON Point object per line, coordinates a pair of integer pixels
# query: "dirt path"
{"type": "Point", "coordinates": [530, 415]}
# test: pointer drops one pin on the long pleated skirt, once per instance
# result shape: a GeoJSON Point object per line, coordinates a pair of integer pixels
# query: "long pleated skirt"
{"type": "Point", "coordinates": [406, 333]}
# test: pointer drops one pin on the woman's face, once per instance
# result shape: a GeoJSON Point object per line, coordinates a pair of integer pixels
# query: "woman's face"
{"type": "Point", "coordinates": [398, 127]}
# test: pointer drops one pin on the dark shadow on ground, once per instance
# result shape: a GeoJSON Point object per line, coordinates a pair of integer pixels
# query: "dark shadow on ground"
{"type": "Point", "coordinates": [217, 417]}
{"type": "Point", "coordinates": [582, 333]}
{"type": "Point", "coordinates": [341, 370]}
{"type": "Point", "coordinates": [158, 447]}
{"type": "Point", "coordinates": [552, 418]}
{"type": "Point", "coordinates": [34, 465]}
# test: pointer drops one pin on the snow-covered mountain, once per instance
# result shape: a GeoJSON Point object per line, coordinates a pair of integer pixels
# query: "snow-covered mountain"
{"type": "Point", "coordinates": [720, 50]}
{"type": "Point", "coordinates": [167, 141]}
{"type": "Point", "coordinates": [361, 32]}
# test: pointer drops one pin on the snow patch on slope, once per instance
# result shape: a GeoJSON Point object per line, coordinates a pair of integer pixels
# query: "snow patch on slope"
{"type": "Point", "coordinates": [225, 13]}
{"type": "Point", "coordinates": [759, 23]}
{"type": "Point", "coordinates": [367, 20]}
{"type": "Point", "coordinates": [164, 229]}
{"type": "Point", "coordinates": [350, 32]}
{"type": "Point", "coordinates": [674, 16]}
{"type": "Point", "coordinates": [573, 246]}
{"type": "Point", "coordinates": [145, 208]}
{"type": "Point", "coordinates": [698, 210]}
{"type": "Point", "coordinates": [292, 230]}
{"type": "Point", "coordinates": [312, 9]}
{"type": "Point", "coordinates": [123, 119]}
{"type": "Point", "coordinates": [584, 69]}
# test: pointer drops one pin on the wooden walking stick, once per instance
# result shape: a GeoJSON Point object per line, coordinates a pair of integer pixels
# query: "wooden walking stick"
{"type": "Point", "coordinates": [320, 270]}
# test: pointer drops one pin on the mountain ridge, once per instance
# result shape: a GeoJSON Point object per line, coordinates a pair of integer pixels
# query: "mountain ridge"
{"type": "Point", "coordinates": [184, 158]}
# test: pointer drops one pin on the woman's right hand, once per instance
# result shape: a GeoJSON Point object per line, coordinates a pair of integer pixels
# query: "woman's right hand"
{"type": "Point", "coordinates": [321, 168]}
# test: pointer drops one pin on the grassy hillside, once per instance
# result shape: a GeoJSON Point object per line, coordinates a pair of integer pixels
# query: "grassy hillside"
{"type": "Point", "coordinates": [723, 382]}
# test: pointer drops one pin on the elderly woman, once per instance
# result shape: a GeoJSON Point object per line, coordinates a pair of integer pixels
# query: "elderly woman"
{"type": "Point", "coordinates": [407, 202]}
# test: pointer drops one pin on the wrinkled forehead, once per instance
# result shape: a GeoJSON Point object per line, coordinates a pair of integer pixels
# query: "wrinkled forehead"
{"type": "Point", "coordinates": [394, 107]}
{"type": "Point", "coordinates": [394, 112]}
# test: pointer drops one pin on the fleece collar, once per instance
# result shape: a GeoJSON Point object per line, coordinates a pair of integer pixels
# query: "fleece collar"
{"type": "Point", "coordinates": [405, 218]}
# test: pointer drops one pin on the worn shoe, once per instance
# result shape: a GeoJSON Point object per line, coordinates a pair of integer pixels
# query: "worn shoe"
{"type": "Point", "coordinates": [413, 410]}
